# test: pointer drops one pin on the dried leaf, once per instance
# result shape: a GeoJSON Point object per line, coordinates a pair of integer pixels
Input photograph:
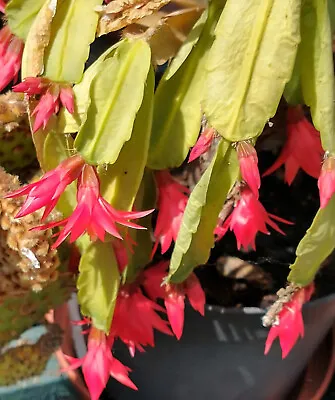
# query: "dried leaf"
{"type": "Point", "coordinates": [165, 33]}
{"type": "Point", "coordinates": [37, 40]}
{"type": "Point", "coordinates": [121, 13]}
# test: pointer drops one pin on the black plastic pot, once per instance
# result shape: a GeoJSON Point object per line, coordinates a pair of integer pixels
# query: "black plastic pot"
{"type": "Point", "coordinates": [221, 357]}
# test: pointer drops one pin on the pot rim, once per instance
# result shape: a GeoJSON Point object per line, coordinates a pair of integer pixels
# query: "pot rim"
{"type": "Point", "coordinates": [260, 311]}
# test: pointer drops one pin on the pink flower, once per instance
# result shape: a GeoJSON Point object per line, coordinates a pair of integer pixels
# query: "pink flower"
{"type": "Point", "coordinates": [93, 214]}
{"type": "Point", "coordinates": [290, 324]}
{"type": "Point", "coordinates": [248, 160]}
{"type": "Point", "coordinates": [52, 95]}
{"type": "Point", "coordinates": [47, 191]}
{"type": "Point", "coordinates": [2, 6]}
{"type": "Point", "coordinates": [326, 182]}
{"type": "Point", "coordinates": [11, 49]}
{"type": "Point", "coordinates": [203, 144]}
{"type": "Point", "coordinates": [248, 218]}
{"type": "Point", "coordinates": [174, 295]}
{"type": "Point", "coordinates": [302, 149]}
{"type": "Point", "coordinates": [98, 364]}
{"type": "Point", "coordinates": [135, 318]}
{"type": "Point", "coordinates": [172, 200]}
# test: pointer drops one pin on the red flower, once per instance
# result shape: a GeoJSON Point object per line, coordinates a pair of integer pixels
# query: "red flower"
{"type": "Point", "coordinates": [248, 160]}
{"type": "Point", "coordinates": [47, 191]}
{"type": "Point", "coordinates": [174, 295]}
{"type": "Point", "coordinates": [248, 218]}
{"type": "Point", "coordinates": [302, 149]}
{"type": "Point", "coordinates": [135, 318]}
{"type": "Point", "coordinates": [121, 249]}
{"type": "Point", "coordinates": [326, 182]}
{"type": "Point", "coordinates": [203, 144]}
{"type": "Point", "coordinates": [290, 324]}
{"type": "Point", "coordinates": [98, 364]}
{"type": "Point", "coordinates": [11, 49]}
{"type": "Point", "coordinates": [93, 214]}
{"type": "Point", "coordinates": [52, 95]}
{"type": "Point", "coordinates": [172, 200]}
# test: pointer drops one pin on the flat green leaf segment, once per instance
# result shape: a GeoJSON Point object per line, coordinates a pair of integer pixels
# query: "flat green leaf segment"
{"type": "Point", "coordinates": [246, 74]}
{"type": "Point", "coordinates": [331, 9]}
{"type": "Point", "coordinates": [120, 181]}
{"type": "Point", "coordinates": [98, 284]}
{"type": "Point", "coordinates": [177, 112]}
{"type": "Point", "coordinates": [21, 14]}
{"type": "Point", "coordinates": [315, 246]}
{"type": "Point", "coordinates": [116, 96]}
{"type": "Point", "coordinates": [196, 235]}
{"type": "Point", "coordinates": [317, 70]}
{"type": "Point", "coordinates": [293, 91]}
{"type": "Point", "coordinates": [73, 30]}
{"type": "Point", "coordinates": [70, 123]}
{"type": "Point", "coordinates": [57, 148]}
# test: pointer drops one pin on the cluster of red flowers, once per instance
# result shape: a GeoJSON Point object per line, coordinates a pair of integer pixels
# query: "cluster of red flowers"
{"type": "Point", "coordinates": [93, 214]}
{"type": "Point", "coordinates": [52, 95]}
{"type": "Point", "coordinates": [136, 315]}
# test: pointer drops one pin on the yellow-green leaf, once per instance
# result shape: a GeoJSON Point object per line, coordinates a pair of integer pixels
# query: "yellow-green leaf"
{"type": "Point", "coordinates": [37, 41]}
{"type": "Point", "coordinates": [315, 246]}
{"type": "Point", "coordinates": [187, 46]}
{"type": "Point", "coordinates": [116, 96]}
{"type": "Point", "coordinates": [70, 123]}
{"type": "Point", "coordinates": [120, 181]}
{"type": "Point", "coordinates": [317, 70]}
{"type": "Point", "coordinates": [196, 236]}
{"type": "Point", "coordinates": [292, 91]}
{"type": "Point", "coordinates": [331, 9]}
{"type": "Point", "coordinates": [73, 30]}
{"type": "Point", "coordinates": [20, 15]}
{"type": "Point", "coordinates": [250, 62]}
{"type": "Point", "coordinates": [57, 147]}
{"type": "Point", "coordinates": [177, 112]}
{"type": "Point", "coordinates": [98, 284]}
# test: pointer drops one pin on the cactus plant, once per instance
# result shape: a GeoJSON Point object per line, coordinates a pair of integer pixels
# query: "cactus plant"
{"type": "Point", "coordinates": [28, 360]}
{"type": "Point", "coordinates": [17, 147]}
{"type": "Point", "coordinates": [106, 137]}
{"type": "Point", "coordinates": [32, 282]}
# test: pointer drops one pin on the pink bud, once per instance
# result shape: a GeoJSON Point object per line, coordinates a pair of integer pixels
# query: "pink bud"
{"type": "Point", "coordinates": [326, 182]}
{"type": "Point", "coordinates": [203, 144]}
{"type": "Point", "coordinates": [32, 86]}
{"type": "Point", "coordinates": [66, 98]}
{"type": "Point", "coordinates": [248, 159]}
{"type": "Point", "coordinates": [174, 303]}
{"type": "Point", "coordinates": [2, 6]}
